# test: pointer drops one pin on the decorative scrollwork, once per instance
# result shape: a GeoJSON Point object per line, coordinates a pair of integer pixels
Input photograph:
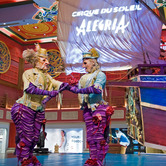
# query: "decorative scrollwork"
{"type": "Point", "coordinates": [5, 58]}
{"type": "Point", "coordinates": [56, 65]}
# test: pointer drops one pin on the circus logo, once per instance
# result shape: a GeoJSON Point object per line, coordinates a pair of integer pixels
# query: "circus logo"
{"type": "Point", "coordinates": [108, 24]}
{"type": "Point", "coordinates": [5, 58]}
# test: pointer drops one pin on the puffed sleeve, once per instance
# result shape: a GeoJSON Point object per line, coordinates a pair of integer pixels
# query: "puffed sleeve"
{"type": "Point", "coordinates": [100, 81]}
{"type": "Point", "coordinates": [27, 78]}
{"type": "Point", "coordinates": [55, 83]}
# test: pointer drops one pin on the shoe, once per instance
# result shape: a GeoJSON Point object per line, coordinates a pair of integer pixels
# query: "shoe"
{"type": "Point", "coordinates": [91, 162]}
{"type": "Point", "coordinates": [35, 161]}
{"type": "Point", "coordinates": [27, 162]}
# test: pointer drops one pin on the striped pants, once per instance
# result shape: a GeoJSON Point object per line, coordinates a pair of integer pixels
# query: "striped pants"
{"type": "Point", "coordinates": [28, 125]}
{"type": "Point", "coordinates": [95, 129]}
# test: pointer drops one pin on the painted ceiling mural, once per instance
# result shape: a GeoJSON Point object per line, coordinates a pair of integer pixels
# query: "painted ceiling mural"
{"type": "Point", "coordinates": [46, 14]}
{"type": "Point", "coordinates": [30, 22]}
{"type": "Point", "coordinates": [32, 32]}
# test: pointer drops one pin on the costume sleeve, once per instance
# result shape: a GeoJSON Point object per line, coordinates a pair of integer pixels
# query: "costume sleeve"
{"type": "Point", "coordinates": [32, 89]}
{"type": "Point", "coordinates": [27, 78]}
{"type": "Point", "coordinates": [55, 83]}
{"type": "Point", "coordinates": [100, 81]}
{"type": "Point", "coordinates": [87, 90]}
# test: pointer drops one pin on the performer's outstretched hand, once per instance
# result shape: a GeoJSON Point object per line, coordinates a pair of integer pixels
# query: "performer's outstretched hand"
{"type": "Point", "coordinates": [33, 89]}
{"type": "Point", "coordinates": [64, 86]}
{"type": "Point", "coordinates": [54, 93]}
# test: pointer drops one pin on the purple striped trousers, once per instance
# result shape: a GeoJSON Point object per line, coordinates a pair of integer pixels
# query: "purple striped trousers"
{"type": "Point", "coordinates": [98, 146]}
{"type": "Point", "coordinates": [28, 125]}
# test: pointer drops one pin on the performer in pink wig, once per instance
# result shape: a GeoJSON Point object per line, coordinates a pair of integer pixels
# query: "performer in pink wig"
{"type": "Point", "coordinates": [96, 111]}
{"type": "Point", "coordinates": [28, 111]}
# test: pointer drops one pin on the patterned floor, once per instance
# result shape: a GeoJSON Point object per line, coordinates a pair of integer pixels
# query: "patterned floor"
{"type": "Point", "coordinates": [79, 159]}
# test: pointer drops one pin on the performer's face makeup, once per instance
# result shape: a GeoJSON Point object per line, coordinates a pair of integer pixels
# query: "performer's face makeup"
{"type": "Point", "coordinates": [42, 63]}
{"type": "Point", "coordinates": [87, 64]}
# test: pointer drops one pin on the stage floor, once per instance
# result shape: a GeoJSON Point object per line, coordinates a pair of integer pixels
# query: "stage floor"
{"type": "Point", "coordinates": [79, 159]}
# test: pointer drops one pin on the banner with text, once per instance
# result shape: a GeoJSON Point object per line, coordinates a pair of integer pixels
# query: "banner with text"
{"type": "Point", "coordinates": [125, 33]}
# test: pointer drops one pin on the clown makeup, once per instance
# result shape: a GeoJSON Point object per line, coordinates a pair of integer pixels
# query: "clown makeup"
{"type": "Point", "coordinates": [88, 65]}
{"type": "Point", "coordinates": [42, 63]}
